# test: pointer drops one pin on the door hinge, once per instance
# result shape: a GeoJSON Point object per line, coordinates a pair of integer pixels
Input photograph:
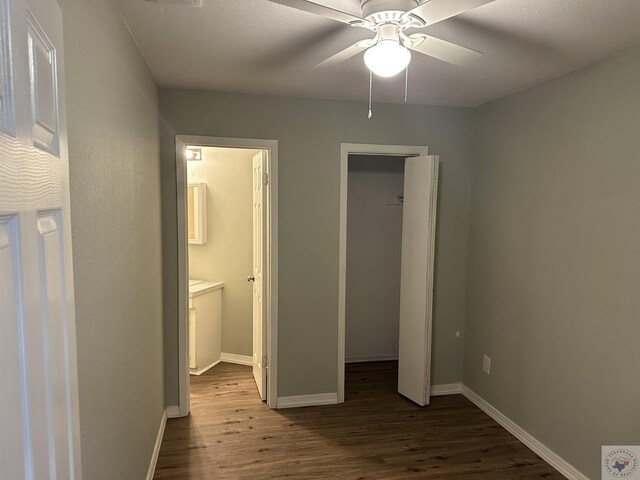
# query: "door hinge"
{"type": "Point", "coordinates": [266, 179]}
{"type": "Point", "coordinates": [264, 361]}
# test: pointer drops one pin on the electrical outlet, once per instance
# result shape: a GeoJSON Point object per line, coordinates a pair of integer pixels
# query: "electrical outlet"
{"type": "Point", "coordinates": [486, 365]}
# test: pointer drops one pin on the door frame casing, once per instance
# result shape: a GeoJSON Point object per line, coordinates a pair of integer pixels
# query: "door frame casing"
{"type": "Point", "coordinates": [271, 266]}
{"type": "Point", "coordinates": [347, 149]}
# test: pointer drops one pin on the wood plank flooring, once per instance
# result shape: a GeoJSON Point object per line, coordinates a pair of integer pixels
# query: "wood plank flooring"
{"type": "Point", "coordinates": [375, 434]}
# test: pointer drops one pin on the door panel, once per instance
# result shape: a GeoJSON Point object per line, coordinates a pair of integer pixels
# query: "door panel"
{"type": "Point", "coordinates": [259, 246]}
{"type": "Point", "coordinates": [54, 333]}
{"type": "Point", "coordinates": [416, 278]}
{"type": "Point", "coordinates": [6, 97]}
{"type": "Point", "coordinates": [39, 419]}
{"type": "Point", "coordinates": [12, 451]}
{"type": "Point", "coordinates": [44, 92]}
{"type": "Point", "coordinates": [193, 359]}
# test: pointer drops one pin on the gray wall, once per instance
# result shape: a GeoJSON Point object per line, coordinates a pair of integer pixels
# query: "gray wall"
{"type": "Point", "coordinates": [112, 110]}
{"type": "Point", "coordinates": [554, 260]}
{"type": "Point", "coordinates": [374, 245]}
{"type": "Point", "coordinates": [309, 132]}
{"type": "Point", "coordinates": [228, 254]}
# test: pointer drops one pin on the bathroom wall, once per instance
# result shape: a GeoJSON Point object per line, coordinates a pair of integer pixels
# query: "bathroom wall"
{"type": "Point", "coordinates": [228, 255]}
{"type": "Point", "coordinates": [374, 245]}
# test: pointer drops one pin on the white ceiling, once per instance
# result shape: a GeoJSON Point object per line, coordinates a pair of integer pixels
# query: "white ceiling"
{"type": "Point", "coordinates": [260, 47]}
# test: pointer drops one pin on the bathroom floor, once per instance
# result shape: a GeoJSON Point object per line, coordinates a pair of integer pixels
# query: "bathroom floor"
{"type": "Point", "coordinates": [375, 434]}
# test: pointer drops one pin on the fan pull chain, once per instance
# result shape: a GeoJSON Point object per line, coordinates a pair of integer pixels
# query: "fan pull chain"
{"type": "Point", "coordinates": [406, 84]}
{"type": "Point", "coordinates": [370, 89]}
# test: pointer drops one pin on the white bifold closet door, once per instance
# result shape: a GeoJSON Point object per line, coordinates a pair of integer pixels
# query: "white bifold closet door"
{"type": "Point", "coordinates": [416, 278]}
{"type": "Point", "coordinates": [39, 432]}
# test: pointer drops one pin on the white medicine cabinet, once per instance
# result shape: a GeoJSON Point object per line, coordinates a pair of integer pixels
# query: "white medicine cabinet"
{"type": "Point", "coordinates": [197, 213]}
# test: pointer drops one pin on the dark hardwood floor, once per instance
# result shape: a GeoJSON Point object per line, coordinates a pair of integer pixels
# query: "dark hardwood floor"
{"type": "Point", "coordinates": [375, 434]}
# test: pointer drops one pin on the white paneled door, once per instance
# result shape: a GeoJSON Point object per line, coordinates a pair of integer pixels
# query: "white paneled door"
{"type": "Point", "coordinates": [260, 183]}
{"type": "Point", "coordinates": [416, 278]}
{"type": "Point", "coordinates": [39, 434]}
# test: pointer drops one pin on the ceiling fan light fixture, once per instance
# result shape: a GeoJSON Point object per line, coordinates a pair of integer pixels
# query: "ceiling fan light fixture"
{"type": "Point", "coordinates": [387, 58]}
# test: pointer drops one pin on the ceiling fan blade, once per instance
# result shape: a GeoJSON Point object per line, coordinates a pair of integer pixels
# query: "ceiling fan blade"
{"type": "Point", "coordinates": [318, 9]}
{"type": "Point", "coordinates": [347, 53]}
{"type": "Point", "coordinates": [442, 50]}
{"type": "Point", "coordinates": [433, 11]}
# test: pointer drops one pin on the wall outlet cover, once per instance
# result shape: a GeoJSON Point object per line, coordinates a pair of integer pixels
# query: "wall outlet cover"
{"type": "Point", "coordinates": [486, 365]}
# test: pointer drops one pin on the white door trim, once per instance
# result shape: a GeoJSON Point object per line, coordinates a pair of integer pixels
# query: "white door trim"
{"type": "Point", "coordinates": [271, 262]}
{"type": "Point", "coordinates": [347, 149]}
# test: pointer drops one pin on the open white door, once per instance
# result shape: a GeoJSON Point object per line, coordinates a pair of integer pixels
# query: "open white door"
{"type": "Point", "coordinates": [416, 279]}
{"type": "Point", "coordinates": [259, 256]}
{"type": "Point", "coordinates": [38, 398]}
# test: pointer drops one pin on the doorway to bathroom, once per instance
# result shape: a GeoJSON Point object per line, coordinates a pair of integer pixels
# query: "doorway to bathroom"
{"type": "Point", "coordinates": [226, 263]}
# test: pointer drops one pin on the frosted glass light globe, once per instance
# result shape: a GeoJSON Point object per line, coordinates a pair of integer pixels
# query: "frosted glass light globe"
{"type": "Point", "coordinates": [387, 58]}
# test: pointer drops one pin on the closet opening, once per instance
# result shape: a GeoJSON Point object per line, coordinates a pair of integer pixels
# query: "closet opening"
{"type": "Point", "coordinates": [388, 200]}
{"type": "Point", "coordinates": [374, 248]}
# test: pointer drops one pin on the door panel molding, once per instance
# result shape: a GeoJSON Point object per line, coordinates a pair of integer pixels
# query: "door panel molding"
{"type": "Point", "coordinates": [43, 73]}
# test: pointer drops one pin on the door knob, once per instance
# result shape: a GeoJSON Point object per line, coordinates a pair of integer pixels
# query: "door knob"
{"type": "Point", "coordinates": [251, 278]}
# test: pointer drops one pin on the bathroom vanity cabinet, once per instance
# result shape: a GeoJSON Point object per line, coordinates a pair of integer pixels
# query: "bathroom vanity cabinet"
{"type": "Point", "coordinates": [205, 325]}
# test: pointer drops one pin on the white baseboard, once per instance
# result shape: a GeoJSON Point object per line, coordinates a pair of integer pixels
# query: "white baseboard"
{"type": "Point", "coordinates": [173, 411]}
{"type": "Point", "coordinates": [548, 455]}
{"type": "Point", "coordinates": [446, 389]}
{"type": "Point", "coordinates": [308, 400]}
{"type": "Point", "coordinates": [371, 358]}
{"type": "Point", "coordinates": [332, 398]}
{"type": "Point", "coordinates": [202, 370]}
{"type": "Point", "coordinates": [156, 448]}
{"type": "Point", "coordinates": [238, 359]}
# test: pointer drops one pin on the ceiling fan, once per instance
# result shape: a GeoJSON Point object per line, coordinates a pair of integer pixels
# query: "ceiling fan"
{"type": "Point", "coordinates": [388, 52]}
